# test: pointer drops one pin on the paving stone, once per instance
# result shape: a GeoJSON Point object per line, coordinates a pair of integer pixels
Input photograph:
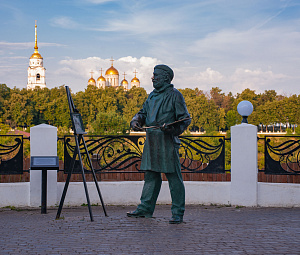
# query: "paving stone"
{"type": "Point", "coordinates": [206, 230]}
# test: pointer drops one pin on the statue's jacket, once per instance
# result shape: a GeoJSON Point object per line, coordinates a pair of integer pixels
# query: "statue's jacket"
{"type": "Point", "coordinates": [163, 106]}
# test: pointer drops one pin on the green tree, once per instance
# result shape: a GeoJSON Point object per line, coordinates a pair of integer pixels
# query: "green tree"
{"type": "Point", "coordinates": [222, 119]}
{"type": "Point", "coordinates": [133, 102]}
{"type": "Point", "coordinates": [109, 123]}
{"type": "Point", "coordinates": [231, 118]}
{"type": "Point", "coordinates": [57, 112]}
{"type": "Point", "coordinates": [4, 95]}
{"type": "Point", "coordinates": [217, 97]}
{"type": "Point", "coordinates": [15, 110]}
{"type": "Point", "coordinates": [267, 96]}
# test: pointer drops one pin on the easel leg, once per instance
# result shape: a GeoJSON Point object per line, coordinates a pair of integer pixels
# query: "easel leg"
{"type": "Point", "coordinates": [95, 178]}
{"type": "Point", "coordinates": [66, 185]}
{"type": "Point", "coordinates": [83, 177]}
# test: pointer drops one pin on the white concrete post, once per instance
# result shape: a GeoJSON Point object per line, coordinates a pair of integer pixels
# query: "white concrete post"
{"type": "Point", "coordinates": [244, 165]}
{"type": "Point", "coordinates": [43, 142]}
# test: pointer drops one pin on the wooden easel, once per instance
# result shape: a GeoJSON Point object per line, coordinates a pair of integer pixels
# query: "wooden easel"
{"type": "Point", "coordinates": [78, 133]}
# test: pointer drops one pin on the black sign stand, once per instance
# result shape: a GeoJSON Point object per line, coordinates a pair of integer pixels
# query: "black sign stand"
{"type": "Point", "coordinates": [44, 192]}
{"type": "Point", "coordinates": [79, 132]}
{"type": "Point", "coordinates": [44, 163]}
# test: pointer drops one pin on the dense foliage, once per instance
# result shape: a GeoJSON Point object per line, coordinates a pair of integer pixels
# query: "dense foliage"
{"type": "Point", "coordinates": [109, 111]}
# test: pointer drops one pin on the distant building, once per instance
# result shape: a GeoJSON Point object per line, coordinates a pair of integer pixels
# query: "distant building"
{"type": "Point", "coordinates": [135, 82]}
{"type": "Point", "coordinates": [112, 79]}
{"type": "Point", "coordinates": [92, 81]}
{"type": "Point", "coordinates": [36, 70]}
{"type": "Point", "coordinates": [112, 76]}
{"type": "Point", "coordinates": [124, 83]}
{"type": "Point", "coordinates": [101, 82]}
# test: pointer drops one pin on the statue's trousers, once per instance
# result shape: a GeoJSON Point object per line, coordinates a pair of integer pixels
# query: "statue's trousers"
{"type": "Point", "coordinates": [152, 187]}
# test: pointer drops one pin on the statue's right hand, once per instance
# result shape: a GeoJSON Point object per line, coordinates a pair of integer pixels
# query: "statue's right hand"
{"type": "Point", "coordinates": [135, 125]}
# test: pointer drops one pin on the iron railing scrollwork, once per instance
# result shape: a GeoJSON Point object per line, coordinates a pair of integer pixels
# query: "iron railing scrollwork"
{"type": "Point", "coordinates": [108, 153]}
{"type": "Point", "coordinates": [282, 155]}
{"type": "Point", "coordinates": [204, 154]}
{"type": "Point", "coordinates": [11, 154]}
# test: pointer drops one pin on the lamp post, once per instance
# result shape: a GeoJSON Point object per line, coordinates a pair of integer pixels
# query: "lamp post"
{"type": "Point", "coordinates": [244, 185]}
{"type": "Point", "coordinates": [245, 108]}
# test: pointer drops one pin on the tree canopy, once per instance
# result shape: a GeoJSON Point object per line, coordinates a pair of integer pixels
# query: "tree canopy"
{"type": "Point", "coordinates": [109, 111]}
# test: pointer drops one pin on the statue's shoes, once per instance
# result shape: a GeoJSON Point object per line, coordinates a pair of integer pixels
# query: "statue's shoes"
{"type": "Point", "coordinates": [139, 214]}
{"type": "Point", "coordinates": [176, 219]}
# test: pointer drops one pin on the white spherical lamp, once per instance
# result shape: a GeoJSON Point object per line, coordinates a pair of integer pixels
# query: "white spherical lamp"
{"type": "Point", "coordinates": [245, 108]}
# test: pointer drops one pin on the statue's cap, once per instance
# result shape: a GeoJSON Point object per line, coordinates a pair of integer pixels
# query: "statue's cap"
{"type": "Point", "coordinates": [167, 69]}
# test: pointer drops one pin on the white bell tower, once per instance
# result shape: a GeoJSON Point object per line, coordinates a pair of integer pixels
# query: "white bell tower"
{"type": "Point", "coordinates": [36, 70]}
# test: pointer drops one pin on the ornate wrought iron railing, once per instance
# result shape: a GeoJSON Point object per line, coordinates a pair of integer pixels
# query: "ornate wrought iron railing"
{"type": "Point", "coordinates": [205, 154]}
{"type": "Point", "coordinates": [116, 153]}
{"type": "Point", "coordinates": [122, 154]}
{"type": "Point", "coordinates": [11, 154]}
{"type": "Point", "coordinates": [282, 155]}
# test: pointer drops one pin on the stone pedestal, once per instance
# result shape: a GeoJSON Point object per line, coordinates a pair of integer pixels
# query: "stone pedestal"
{"type": "Point", "coordinates": [43, 142]}
{"type": "Point", "coordinates": [244, 165]}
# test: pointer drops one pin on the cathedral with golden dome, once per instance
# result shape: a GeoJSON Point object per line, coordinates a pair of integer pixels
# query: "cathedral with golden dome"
{"type": "Point", "coordinates": [36, 70]}
{"type": "Point", "coordinates": [111, 79]}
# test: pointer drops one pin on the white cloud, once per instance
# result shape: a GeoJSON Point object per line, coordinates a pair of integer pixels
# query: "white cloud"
{"type": "Point", "coordinates": [258, 59]}
{"type": "Point", "coordinates": [269, 19]}
{"type": "Point", "coordinates": [45, 44]}
{"type": "Point", "coordinates": [26, 45]}
{"type": "Point", "coordinates": [187, 77]}
{"type": "Point", "coordinates": [128, 59]}
{"type": "Point", "coordinates": [257, 80]}
{"type": "Point", "coordinates": [21, 45]}
{"type": "Point", "coordinates": [79, 70]}
{"type": "Point", "coordinates": [98, 1]}
{"type": "Point", "coordinates": [209, 76]}
{"type": "Point", "coordinates": [229, 44]}
{"type": "Point", "coordinates": [146, 22]}
{"type": "Point", "coordinates": [234, 82]}
{"type": "Point", "coordinates": [248, 46]}
{"type": "Point", "coordinates": [141, 19]}
{"type": "Point", "coordinates": [17, 57]}
{"type": "Point", "coordinates": [65, 22]}
{"type": "Point", "coordinates": [143, 22]}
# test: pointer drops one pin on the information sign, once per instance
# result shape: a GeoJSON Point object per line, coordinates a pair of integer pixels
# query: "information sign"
{"type": "Point", "coordinates": [44, 162]}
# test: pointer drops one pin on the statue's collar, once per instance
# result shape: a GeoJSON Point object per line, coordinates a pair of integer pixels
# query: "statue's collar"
{"type": "Point", "coordinates": [162, 89]}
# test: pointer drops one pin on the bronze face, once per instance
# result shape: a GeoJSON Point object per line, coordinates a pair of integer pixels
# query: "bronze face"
{"type": "Point", "coordinates": [158, 78]}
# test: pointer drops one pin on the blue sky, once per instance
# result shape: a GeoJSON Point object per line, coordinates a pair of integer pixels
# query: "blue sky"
{"type": "Point", "coordinates": [230, 44]}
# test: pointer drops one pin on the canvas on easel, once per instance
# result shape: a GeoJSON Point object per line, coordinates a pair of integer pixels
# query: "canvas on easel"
{"type": "Point", "coordinates": [77, 123]}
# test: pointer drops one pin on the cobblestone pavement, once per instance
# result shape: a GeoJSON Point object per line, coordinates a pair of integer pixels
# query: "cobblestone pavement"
{"type": "Point", "coordinates": [206, 230]}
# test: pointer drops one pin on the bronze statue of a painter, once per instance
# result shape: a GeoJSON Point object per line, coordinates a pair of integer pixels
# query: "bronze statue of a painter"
{"type": "Point", "coordinates": [165, 108]}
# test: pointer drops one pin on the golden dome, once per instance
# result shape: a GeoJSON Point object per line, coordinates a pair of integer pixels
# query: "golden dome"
{"type": "Point", "coordinates": [124, 82]}
{"type": "Point", "coordinates": [92, 80]}
{"type": "Point", "coordinates": [111, 71]}
{"type": "Point", "coordinates": [101, 78]}
{"type": "Point", "coordinates": [36, 55]}
{"type": "Point", "coordinates": [135, 80]}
